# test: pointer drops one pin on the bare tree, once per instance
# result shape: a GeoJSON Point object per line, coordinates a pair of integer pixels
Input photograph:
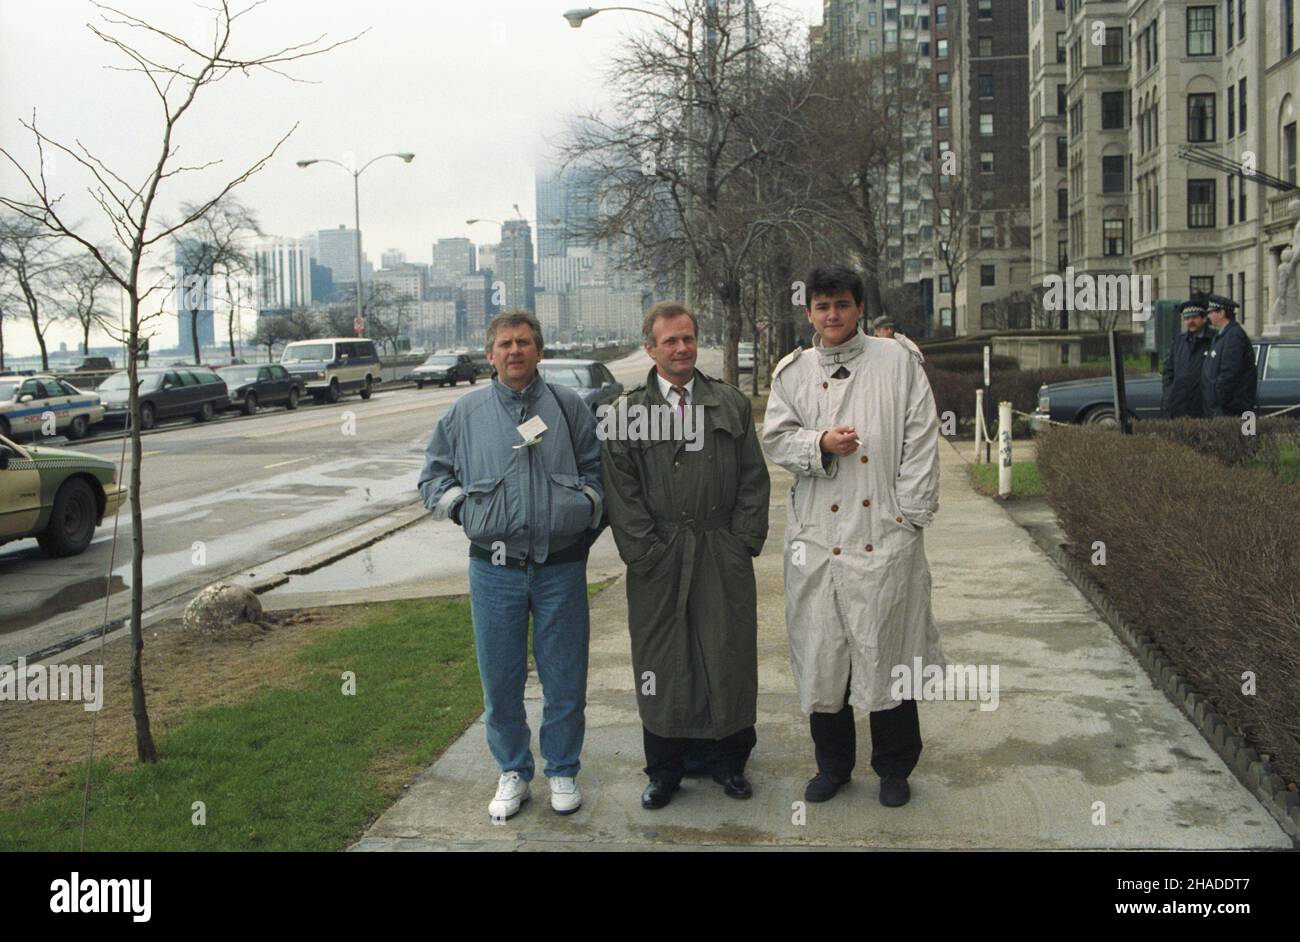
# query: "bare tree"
{"type": "Point", "coordinates": [29, 254]}
{"type": "Point", "coordinates": [957, 217]}
{"type": "Point", "coordinates": [85, 287]}
{"type": "Point", "coordinates": [216, 243]}
{"type": "Point", "coordinates": [869, 117]}
{"type": "Point", "coordinates": [178, 70]}
{"type": "Point", "coordinates": [298, 324]}
{"type": "Point", "coordinates": [671, 151]}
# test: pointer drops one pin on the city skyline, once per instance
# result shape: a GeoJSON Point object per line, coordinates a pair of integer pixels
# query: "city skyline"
{"type": "Point", "coordinates": [473, 91]}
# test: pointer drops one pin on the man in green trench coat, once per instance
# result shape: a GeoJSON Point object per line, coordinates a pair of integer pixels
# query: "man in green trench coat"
{"type": "Point", "coordinates": [689, 513]}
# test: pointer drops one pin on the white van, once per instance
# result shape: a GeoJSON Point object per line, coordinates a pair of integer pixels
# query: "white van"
{"type": "Point", "coordinates": [332, 366]}
{"type": "Point", "coordinates": [745, 357]}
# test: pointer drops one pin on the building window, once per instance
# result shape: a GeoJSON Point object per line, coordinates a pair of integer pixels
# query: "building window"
{"type": "Point", "coordinates": [988, 316]}
{"type": "Point", "coordinates": [986, 125]}
{"type": "Point", "coordinates": [1241, 21]}
{"type": "Point", "coordinates": [1288, 27]}
{"type": "Point", "coordinates": [986, 46]}
{"type": "Point", "coordinates": [1200, 31]}
{"type": "Point", "coordinates": [1201, 210]}
{"type": "Point", "coordinates": [1241, 199]}
{"type": "Point", "coordinates": [1062, 254]}
{"type": "Point", "coordinates": [1112, 110]}
{"type": "Point", "coordinates": [1232, 202]}
{"type": "Point", "coordinates": [942, 79]}
{"type": "Point", "coordinates": [941, 14]}
{"type": "Point", "coordinates": [1060, 49]}
{"type": "Point", "coordinates": [985, 83]}
{"type": "Point", "coordinates": [986, 9]}
{"type": "Point", "coordinates": [1062, 204]}
{"type": "Point", "coordinates": [945, 284]}
{"type": "Point", "coordinates": [941, 49]}
{"type": "Point", "coordinates": [986, 161]}
{"type": "Point", "coordinates": [1288, 153]}
{"type": "Point", "coordinates": [1241, 295]}
{"type": "Point", "coordinates": [945, 317]}
{"type": "Point", "coordinates": [1113, 52]}
{"type": "Point", "coordinates": [1201, 284]}
{"type": "Point", "coordinates": [943, 116]}
{"type": "Point", "coordinates": [1241, 105]}
{"type": "Point", "coordinates": [988, 274]}
{"type": "Point", "coordinates": [1060, 100]}
{"type": "Point", "coordinates": [1112, 237]}
{"type": "Point", "coordinates": [988, 237]}
{"type": "Point", "coordinates": [1232, 113]}
{"type": "Point", "coordinates": [1062, 152]}
{"type": "Point", "coordinates": [1229, 23]}
{"type": "Point", "coordinates": [1200, 118]}
{"type": "Point", "coordinates": [1112, 174]}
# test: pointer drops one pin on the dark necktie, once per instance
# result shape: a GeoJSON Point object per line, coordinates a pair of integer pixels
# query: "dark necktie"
{"type": "Point", "coordinates": [681, 400]}
{"type": "Point", "coordinates": [841, 373]}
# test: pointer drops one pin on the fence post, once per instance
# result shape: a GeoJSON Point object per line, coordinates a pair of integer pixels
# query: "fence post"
{"type": "Point", "coordinates": [1004, 449]}
{"type": "Point", "coordinates": [979, 425]}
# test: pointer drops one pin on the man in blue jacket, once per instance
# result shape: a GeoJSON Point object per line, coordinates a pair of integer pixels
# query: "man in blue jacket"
{"type": "Point", "coordinates": [1228, 377]}
{"type": "Point", "coordinates": [517, 465]}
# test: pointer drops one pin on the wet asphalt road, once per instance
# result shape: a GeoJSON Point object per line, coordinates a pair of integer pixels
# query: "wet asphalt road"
{"type": "Point", "coordinates": [222, 498]}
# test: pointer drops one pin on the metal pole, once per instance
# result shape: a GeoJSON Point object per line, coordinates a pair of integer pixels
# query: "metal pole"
{"type": "Point", "coordinates": [979, 425]}
{"type": "Point", "coordinates": [356, 206]}
{"type": "Point", "coordinates": [1004, 449]}
{"type": "Point", "coordinates": [1117, 383]}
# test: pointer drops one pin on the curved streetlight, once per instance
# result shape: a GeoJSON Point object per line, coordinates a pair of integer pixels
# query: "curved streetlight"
{"type": "Point", "coordinates": [406, 157]}
{"type": "Point", "coordinates": [576, 17]}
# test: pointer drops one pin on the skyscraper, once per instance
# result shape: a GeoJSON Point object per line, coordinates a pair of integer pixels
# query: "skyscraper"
{"type": "Point", "coordinates": [283, 274]}
{"type": "Point", "coordinates": [194, 294]}
{"type": "Point", "coordinates": [453, 259]}
{"type": "Point", "coordinates": [337, 251]}
{"type": "Point", "coordinates": [515, 264]}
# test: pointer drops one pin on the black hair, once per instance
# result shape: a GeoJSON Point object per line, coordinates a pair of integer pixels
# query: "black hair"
{"type": "Point", "coordinates": [833, 280]}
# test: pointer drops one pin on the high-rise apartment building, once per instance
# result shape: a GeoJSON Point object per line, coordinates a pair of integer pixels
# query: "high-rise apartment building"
{"type": "Point", "coordinates": [981, 165]}
{"type": "Point", "coordinates": [282, 271]}
{"type": "Point", "coordinates": [336, 249]}
{"type": "Point", "coordinates": [391, 258]}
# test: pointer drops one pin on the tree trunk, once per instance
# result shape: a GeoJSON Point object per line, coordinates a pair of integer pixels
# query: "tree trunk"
{"type": "Point", "coordinates": [2, 342]}
{"type": "Point", "coordinates": [194, 335]}
{"type": "Point", "coordinates": [731, 330]}
{"type": "Point", "coordinates": [40, 339]}
{"type": "Point", "coordinates": [145, 749]}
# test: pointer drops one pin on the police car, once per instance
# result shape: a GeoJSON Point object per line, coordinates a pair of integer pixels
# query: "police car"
{"type": "Point", "coordinates": [46, 405]}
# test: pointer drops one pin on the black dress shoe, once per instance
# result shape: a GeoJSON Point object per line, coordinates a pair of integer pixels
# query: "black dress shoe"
{"type": "Point", "coordinates": [657, 794]}
{"type": "Point", "coordinates": [734, 785]}
{"type": "Point", "coordinates": [823, 786]}
{"type": "Point", "coordinates": [894, 792]}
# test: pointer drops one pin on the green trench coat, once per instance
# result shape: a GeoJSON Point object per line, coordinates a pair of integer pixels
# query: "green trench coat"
{"type": "Point", "coordinates": [688, 524]}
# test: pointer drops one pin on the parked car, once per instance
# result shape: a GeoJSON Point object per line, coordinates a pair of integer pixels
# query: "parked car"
{"type": "Point", "coordinates": [590, 379]}
{"type": "Point", "coordinates": [55, 495]}
{"type": "Point", "coordinates": [94, 365]}
{"type": "Point", "coordinates": [251, 387]}
{"type": "Point", "coordinates": [745, 357]}
{"type": "Point", "coordinates": [333, 366]}
{"type": "Point", "coordinates": [166, 393]}
{"type": "Point", "coordinates": [26, 401]}
{"type": "Point", "coordinates": [445, 369]}
{"type": "Point", "coordinates": [1091, 401]}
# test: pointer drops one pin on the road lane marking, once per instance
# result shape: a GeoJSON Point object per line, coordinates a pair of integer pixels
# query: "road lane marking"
{"type": "Point", "coordinates": [281, 464]}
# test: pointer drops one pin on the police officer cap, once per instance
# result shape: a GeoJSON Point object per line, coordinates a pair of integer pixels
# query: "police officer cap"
{"type": "Point", "coordinates": [1219, 302]}
{"type": "Point", "coordinates": [1192, 308]}
{"type": "Point", "coordinates": [884, 320]}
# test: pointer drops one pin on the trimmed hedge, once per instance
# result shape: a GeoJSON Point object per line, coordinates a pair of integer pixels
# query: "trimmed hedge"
{"type": "Point", "coordinates": [1202, 554]}
{"type": "Point", "coordinates": [971, 363]}
{"type": "Point", "coordinates": [1271, 447]}
{"type": "Point", "coordinates": [955, 392]}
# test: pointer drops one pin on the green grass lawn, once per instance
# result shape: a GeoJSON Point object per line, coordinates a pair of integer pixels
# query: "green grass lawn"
{"type": "Point", "coordinates": [1287, 464]}
{"type": "Point", "coordinates": [288, 769]}
{"type": "Point", "coordinates": [1025, 481]}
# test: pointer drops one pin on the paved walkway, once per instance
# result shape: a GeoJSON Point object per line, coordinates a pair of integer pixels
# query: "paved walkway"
{"type": "Point", "coordinates": [1078, 723]}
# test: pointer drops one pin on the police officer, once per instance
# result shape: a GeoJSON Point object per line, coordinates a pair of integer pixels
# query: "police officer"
{"type": "Point", "coordinates": [1181, 376]}
{"type": "Point", "coordinates": [1228, 375]}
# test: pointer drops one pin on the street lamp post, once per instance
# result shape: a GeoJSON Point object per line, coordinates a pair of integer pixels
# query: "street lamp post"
{"type": "Point", "coordinates": [356, 206]}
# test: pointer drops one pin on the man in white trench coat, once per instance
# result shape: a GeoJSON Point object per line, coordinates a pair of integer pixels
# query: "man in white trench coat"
{"type": "Point", "coordinates": [854, 420]}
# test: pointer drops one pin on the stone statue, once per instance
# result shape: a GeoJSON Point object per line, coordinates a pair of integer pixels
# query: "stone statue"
{"type": "Point", "coordinates": [1284, 318]}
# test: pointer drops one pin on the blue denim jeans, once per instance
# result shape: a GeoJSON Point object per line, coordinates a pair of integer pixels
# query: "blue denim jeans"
{"type": "Point", "coordinates": [501, 598]}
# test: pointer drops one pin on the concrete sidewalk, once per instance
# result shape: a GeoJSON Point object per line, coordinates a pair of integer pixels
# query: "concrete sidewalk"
{"type": "Point", "coordinates": [1078, 724]}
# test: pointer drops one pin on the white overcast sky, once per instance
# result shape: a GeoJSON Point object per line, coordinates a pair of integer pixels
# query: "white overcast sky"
{"type": "Point", "coordinates": [474, 87]}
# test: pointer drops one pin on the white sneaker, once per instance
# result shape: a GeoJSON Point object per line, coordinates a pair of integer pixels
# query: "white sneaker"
{"type": "Point", "coordinates": [512, 791]}
{"type": "Point", "coordinates": [566, 797]}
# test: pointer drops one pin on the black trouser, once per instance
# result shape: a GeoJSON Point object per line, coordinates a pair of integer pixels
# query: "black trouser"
{"type": "Point", "coordinates": [665, 758]}
{"type": "Point", "coordinates": [895, 740]}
